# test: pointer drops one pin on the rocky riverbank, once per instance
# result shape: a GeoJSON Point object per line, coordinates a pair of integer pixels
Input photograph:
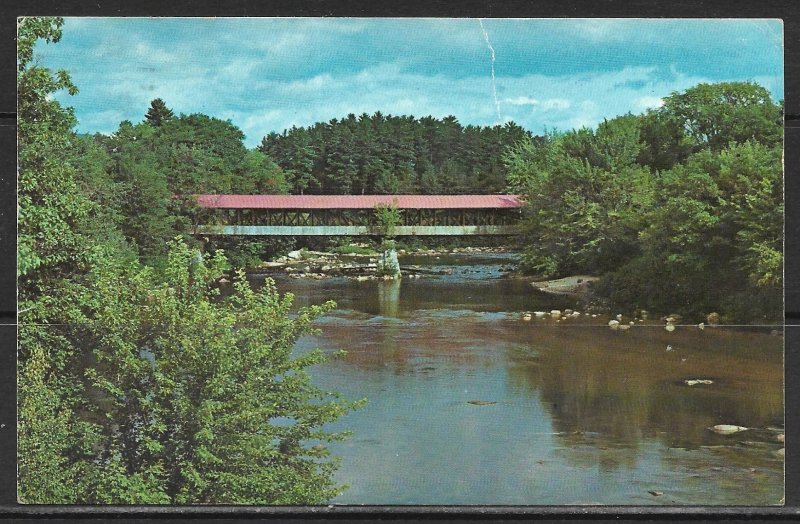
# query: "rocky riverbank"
{"type": "Point", "coordinates": [577, 285]}
{"type": "Point", "coordinates": [361, 266]}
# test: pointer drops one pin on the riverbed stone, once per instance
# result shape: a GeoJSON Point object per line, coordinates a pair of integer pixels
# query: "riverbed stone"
{"type": "Point", "coordinates": [727, 429]}
{"type": "Point", "coordinates": [696, 381]}
{"type": "Point", "coordinates": [481, 402]}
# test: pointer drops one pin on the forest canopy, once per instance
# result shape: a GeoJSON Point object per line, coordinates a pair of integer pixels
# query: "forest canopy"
{"type": "Point", "coordinates": [679, 209]}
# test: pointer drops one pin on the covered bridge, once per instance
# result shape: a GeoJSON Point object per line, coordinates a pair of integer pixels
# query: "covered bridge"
{"type": "Point", "coordinates": [354, 215]}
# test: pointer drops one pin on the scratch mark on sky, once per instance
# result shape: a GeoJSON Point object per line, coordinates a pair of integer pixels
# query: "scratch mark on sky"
{"type": "Point", "coordinates": [494, 82]}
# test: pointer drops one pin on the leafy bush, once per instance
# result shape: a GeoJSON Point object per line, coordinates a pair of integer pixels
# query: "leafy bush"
{"type": "Point", "coordinates": [354, 250]}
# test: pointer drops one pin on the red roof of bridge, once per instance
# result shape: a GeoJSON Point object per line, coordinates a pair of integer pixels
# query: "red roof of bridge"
{"type": "Point", "coordinates": [359, 201]}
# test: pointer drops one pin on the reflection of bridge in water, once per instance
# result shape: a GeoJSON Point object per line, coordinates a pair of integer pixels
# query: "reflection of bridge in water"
{"type": "Point", "coordinates": [356, 215]}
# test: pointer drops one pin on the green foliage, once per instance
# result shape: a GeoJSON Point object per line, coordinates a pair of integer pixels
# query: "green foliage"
{"type": "Point", "coordinates": [380, 154]}
{"type": "Point", "coordinates": [713, 115]}
{"type": "Point", "coordinates": [354, 250]}
{"type": "Point", "coordinates": [681, 209]}
{"type": "Point", "coordinates": [581, 215]}
{"type": "Point", "coordinates": [709, 116]}
{"type": "Point", "coordinates": [158, 113]}
{"type": "Point", "coordinates": [140, 385]}
{"type": "Point", "coordinates": [388, 245]}
{"type": "Point", "coordinates": [247, 252]}
{"type": "Point", "coordinates": [49, 199]}
{"type": "Point", "coordinates": [52, 256]}
{"type": "Point", "coordinates": [202, 400]}
{"type": "Point", "coordinates": [388, 217]}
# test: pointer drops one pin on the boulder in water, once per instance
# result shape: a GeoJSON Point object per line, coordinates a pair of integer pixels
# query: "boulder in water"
{"type": "Point", "coordinates": [696, 381]}
{"type": "Point", "coordinates": [727, 429]}
{"type": "Point", "coordinates": [481, 402]}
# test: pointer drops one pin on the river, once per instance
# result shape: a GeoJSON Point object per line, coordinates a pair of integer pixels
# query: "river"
{"type": "Point", "coordinates": [571, 412]}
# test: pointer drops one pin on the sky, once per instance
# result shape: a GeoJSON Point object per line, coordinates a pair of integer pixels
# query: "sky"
{"type": "Point", "coordinates": [269, 74]}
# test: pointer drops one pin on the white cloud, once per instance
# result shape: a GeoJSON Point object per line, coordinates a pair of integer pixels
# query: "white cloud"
{"type": "Point", "coordinates": [555, 103]}
{"type": "Point", "coordinates": [522, 101]}
{"type": "Point", "coordinates": [258, 107]}
{"type": "Point", "coordinates": [648, 102]}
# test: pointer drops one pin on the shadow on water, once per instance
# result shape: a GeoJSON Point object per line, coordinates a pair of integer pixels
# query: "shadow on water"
{"type": "Point", "coordinates": [567, 413]}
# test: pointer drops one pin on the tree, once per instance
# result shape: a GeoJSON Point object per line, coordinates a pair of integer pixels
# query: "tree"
{"type": "Point", "coordinates": [158, 113]}
{"type": "Point", "coordinates": [203, 401]}
{"type": "Point", "coordinates": [580, 216]}
{"type": "Point", "coordinates": [714, 115]}
{"type": "Point", "coordinates": [51, 255]}
{"type": "Point", "coordinates": [388, 217]}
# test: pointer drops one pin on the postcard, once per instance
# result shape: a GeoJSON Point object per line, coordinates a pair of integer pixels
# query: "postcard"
{"type": "Point", "coordinates": [420, 261]}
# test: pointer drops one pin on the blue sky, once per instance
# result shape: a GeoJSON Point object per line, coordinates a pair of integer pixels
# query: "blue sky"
{"type": "Point", "coordinates": [269, 74]}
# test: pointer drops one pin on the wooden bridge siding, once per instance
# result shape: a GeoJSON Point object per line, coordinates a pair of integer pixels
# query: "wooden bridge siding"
{"type": "Point", "coordinates": [410, 217]}
{"type": "Point", "coordinates": [354, 230]}
{"type": "Point", "coordinates": [355, 222]}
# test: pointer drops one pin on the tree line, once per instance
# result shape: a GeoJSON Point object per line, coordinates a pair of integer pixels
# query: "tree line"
{"type": "Point", "coordinates": [679, 209]}
{"type": "Point", "coordinates": [385, 154]}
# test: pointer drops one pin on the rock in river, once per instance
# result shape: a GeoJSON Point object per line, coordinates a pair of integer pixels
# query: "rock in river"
{"type": "Point", "coordinates": [481, 402]}
{"type": "Point", "coordinates": [727, 429]}
{"type": "Point", "coordinates": [694, 382]}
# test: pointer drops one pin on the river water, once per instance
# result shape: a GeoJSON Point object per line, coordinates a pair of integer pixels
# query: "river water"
{"type": "Point", "coordinates": [571, 412]}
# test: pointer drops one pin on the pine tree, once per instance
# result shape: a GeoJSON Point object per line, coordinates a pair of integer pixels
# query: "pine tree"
{"type": "Point", "coordinates": [158, 113]}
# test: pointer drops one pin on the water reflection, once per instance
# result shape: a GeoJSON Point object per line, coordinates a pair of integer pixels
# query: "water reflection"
{"type": "Point", "coordinates": [389, 297]}
{"type": "Point", "coordinates": [582, 414]}
{"type": "Point", "coordinates": [626, 386]}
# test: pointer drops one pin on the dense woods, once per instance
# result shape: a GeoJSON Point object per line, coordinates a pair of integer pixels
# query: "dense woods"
{"type": "Point", "coordinates": [384, 154]}
{"type": "Point", "coordinates": [679, 209]}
